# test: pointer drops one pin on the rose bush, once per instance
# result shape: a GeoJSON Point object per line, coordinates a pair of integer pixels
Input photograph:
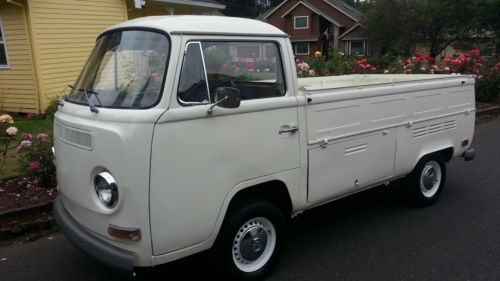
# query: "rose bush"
{"type": "Point", "coordinates": [7, 134]}
{"type": "Point", "coordinates": [36, 158]}
{"type": "Point", "coordinates": [486, 71]}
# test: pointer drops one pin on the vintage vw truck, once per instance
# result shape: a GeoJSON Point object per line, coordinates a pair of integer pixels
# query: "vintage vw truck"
{"type": "Point", "coordinates": [188, 133]}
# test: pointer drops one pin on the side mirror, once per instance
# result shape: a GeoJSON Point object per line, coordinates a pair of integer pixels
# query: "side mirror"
{"type": "Point", "coordinates": [226, 97]}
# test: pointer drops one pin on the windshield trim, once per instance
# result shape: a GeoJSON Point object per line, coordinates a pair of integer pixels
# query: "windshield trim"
{"type": "Point", "coordinates": [162, 88]}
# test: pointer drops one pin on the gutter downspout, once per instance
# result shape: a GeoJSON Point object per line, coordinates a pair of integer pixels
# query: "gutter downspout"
{"type": "Point", "coordinates": [35, 61]}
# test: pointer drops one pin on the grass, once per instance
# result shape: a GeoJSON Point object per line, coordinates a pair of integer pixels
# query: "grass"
{"type": "Point", "coordinates": [10, 167]}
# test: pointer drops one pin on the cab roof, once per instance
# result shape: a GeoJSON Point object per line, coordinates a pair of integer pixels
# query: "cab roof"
{"type": "Point", "coordinates": [216, 25]}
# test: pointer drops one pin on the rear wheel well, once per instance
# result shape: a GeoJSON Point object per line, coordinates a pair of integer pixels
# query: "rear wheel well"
{"type": "Point", "coordinates": [274, 192]}
{"type": "Point", "coordinates": [447, 153]}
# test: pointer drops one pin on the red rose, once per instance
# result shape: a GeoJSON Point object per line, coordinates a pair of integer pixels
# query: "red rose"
{"type": "Point", "coordinates": [475, 52]}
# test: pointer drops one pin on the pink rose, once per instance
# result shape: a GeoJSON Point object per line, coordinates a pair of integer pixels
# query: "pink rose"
{"type": "Point", "coordinates": [24, 144]}
{"type": "Point", "coordinates": [6, 118]}
{"type": "Point", "coordinates": [155, 76]}
{"type": "Point", "coordinates": [26, 136]}
{"type": "Point", "coordinates": [42, 137]}
{"type": "Point", "coordinates": [34, 165]}
{"type": "Point", "coordinates": [11, 131]}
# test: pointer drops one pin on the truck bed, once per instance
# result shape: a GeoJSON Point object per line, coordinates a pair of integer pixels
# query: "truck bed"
{"type": "Point", "coordinates": [356, 80]}
{"type": "Point", "coordinates": [365, 129]}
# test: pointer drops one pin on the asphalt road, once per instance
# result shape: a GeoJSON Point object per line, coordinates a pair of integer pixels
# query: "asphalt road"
{"type": "Point", "coordinates": [374, 235]}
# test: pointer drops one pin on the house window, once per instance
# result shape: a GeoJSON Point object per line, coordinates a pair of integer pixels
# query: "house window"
{"type": "Point", "coordinates": [3, 49]}
{"type": "Point", "coordinates": [302, 48]}
{"type": "Point", "coordinates": [301, 22]}
{"type": "Point", "coordinates": [357, 48]}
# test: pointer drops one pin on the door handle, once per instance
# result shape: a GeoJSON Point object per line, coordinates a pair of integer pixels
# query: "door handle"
{"type": "Point", "coordinates": [288, 129]}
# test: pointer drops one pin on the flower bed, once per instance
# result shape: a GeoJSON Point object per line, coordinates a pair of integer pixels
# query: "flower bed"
{"type": "Point", "coordinates": [486, 70]}
{"type": "Point", "coordinates": [24, 192]}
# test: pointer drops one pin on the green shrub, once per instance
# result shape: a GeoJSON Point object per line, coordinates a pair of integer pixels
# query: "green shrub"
{"type": "Point", "coordinates": [488, 84]}
{"type": "Point", "coordinates": [52, 108]}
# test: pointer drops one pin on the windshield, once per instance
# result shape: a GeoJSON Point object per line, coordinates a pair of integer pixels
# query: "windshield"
{"type": "Point", "coordinates": [126, 69]}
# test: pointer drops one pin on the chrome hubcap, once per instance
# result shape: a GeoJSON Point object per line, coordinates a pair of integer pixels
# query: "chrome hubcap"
{"type": "Point", "coordinates": [430, 179]}
{"type": "Point", "coordinates": [254, 244]}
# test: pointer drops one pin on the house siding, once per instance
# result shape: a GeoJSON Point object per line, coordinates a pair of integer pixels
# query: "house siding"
{"type": "Point", "coordinates": [280, 22]}
{"type": "Point", "coordinates": [64, 33]}
{"type": "Point", "coordinates": [18, 89]}
{"type": "Point", "coordinates": [294, 8]}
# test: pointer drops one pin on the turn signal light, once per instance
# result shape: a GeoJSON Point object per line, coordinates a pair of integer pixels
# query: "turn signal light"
{"type": "Point", "coordinates": [124, 233]}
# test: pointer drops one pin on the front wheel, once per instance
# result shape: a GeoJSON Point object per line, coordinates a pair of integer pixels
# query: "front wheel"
{"type": "Point", "coordinates": [250, 240]}
{"type": "Point", "coordinates": [427, 180]}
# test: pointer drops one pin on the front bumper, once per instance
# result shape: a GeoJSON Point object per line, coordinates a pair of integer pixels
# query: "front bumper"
{"type": "Point", "coordinates": [110, 255]}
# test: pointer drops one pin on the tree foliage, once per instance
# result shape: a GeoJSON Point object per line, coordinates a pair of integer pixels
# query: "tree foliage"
{"type": "Point", "coordinates": [247, 9]}
{"type": "Point", "coordinates": [396, 25]}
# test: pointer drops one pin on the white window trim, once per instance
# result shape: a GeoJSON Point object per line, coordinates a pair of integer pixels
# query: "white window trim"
{"type": "Point", "coordinates": [295, 22]}
{"type": "Point", "coordinates": [364, 47]}
{"type": "Point", "coordinates": [4, 66]}
{"type": "Point", "coordinates": [308, 49]}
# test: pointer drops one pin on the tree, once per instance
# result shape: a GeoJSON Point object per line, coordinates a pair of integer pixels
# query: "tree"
{"type": "Point", "coordinates": [397, 25]}
{"type": "Point", "coordinates": [247, 9]}
{"type": "Point", "coordinates": [388, 27]}
{"type": "Point", "coordinates": [488, 22]}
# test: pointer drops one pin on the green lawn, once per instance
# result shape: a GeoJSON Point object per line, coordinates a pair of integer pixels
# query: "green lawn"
{"type": "Point", "coordinates": [10, 167]}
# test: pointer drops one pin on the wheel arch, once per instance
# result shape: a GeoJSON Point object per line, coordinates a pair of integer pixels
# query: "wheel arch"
{"type": "Point", "coordinates": [274, 192]}
{"type": "Point", "coordinates": [445, 150]}
{"type": "Point", "coordinates": [280, 190]}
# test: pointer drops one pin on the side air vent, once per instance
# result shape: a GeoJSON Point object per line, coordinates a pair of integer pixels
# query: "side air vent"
{"type": "Point", "coordinates": [434, 128]}
{"type": "Point", "coordinates": [72, 136]}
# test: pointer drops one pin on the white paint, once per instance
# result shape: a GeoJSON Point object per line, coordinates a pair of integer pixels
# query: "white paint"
{"type": "Point", "coordinates": [177, 169]}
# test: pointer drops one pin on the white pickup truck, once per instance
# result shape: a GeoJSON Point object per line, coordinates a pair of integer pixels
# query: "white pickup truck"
{"type": "Point", "coordinates": [184, 133]}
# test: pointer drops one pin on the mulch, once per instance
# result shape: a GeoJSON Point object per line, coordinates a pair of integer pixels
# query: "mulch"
{"type": "Point", "coordinates": [481, 106]}
{"type": "Point", "coordinates": [24, 192]}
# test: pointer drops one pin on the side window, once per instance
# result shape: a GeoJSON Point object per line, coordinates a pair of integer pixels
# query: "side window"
{"type": "Point", "coordinates": [254, 68]}
{"type": "Point", "coordinates": [193, 83]}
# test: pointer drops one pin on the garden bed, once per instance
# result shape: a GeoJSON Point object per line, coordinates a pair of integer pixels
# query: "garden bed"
{"type": "Point", "coordinates": [24, 192]}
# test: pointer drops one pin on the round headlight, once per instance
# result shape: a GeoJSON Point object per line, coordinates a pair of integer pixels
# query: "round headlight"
{"type": "Point", "coordinates": [106, 188]}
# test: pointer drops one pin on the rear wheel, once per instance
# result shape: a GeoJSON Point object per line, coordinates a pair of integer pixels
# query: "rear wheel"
{"type": "Point", "coordinates": [427, 180]}
{"type": "Point", "coordinates": [250, 240]}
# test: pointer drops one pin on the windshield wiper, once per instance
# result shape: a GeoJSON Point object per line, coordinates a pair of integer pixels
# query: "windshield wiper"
{"type": "Point", "coordinates": [86, 91]}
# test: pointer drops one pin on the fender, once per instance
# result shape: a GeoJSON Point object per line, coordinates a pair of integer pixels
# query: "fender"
{"type": "Point", "coordinates": [290, 178]}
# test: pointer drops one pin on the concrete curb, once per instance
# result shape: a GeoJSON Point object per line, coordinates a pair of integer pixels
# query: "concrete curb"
{"type": "Point", "coordinates": [26, 221]}
{"type": "Point", "coordinates": [488, 114]}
